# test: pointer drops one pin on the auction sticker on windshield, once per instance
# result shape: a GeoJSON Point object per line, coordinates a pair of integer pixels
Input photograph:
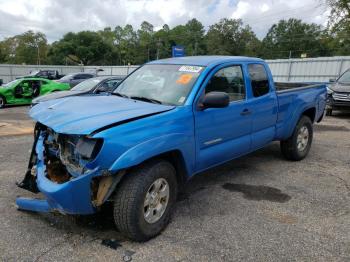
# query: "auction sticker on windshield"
{"type": "Point", "coordinates": [190, 69]}
{"type": "Point", "coordinates": [184, 79]}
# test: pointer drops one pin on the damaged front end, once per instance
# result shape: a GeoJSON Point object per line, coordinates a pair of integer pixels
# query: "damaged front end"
{"type": "Point", "coordinates": [61, 167]}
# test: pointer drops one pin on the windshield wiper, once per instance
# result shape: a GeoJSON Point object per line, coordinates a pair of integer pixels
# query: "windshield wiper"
{"type": "Point", "coordinates": [146, 99]}
{"type": "Point", "coordinates": [119, 94]}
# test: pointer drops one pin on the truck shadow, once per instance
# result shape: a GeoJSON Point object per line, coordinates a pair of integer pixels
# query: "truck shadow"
{"type": "Point", "coordinates": [236, 169]}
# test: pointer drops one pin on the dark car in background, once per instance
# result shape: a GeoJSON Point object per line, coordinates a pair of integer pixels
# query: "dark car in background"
{"type": "Point", "coordinates": [338, 93]}
{"type": "Point", "coordinates": [101, 84]}
{"type": "Point", "coordinates": [76, 78]}
{"type": "Point", "coordinates": [48, 74]}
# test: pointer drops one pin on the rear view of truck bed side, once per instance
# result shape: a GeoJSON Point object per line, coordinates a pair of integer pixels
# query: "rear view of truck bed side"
{"type": "Point", "coordinates": [295, 100]}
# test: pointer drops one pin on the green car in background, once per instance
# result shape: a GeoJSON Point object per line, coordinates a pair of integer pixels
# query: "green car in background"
{"type": "Point", "coordinates": [22, 91]}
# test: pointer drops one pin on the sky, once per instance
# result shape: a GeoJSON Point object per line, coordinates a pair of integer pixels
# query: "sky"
{"type": "Point", "coordinates": [57, 17]}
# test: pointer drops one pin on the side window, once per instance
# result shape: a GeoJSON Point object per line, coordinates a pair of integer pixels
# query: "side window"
{"type": "Point", "coordinates": [82, 76]}
{"type": "Point", "coordinates": [258, 79]}
{"type": "Point", "coordinates": [42, 74]}
{"type": "Point", "coordinates": [229, 80]}
{"type": "Point", "coordinates": [85, 76]}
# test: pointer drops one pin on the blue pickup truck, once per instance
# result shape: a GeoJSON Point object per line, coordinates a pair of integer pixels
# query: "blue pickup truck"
{"type": "Point", "coordinates": [168, 120]}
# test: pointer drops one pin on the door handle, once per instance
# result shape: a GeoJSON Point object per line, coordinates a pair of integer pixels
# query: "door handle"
{"type": "Point", "coordinates": [246, 112]}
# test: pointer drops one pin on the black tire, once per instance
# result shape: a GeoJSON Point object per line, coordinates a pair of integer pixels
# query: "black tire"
{"type": "Point", "coordinates": [130, 196]}
{"type": "Point", "coordinates": [290, 148]}
{"type": "Point", "coordinates": [328, 112]}
{"type": "Point", "coordinates": [2, 102]}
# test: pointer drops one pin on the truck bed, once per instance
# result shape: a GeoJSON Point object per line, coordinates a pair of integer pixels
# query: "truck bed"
{"type": "Point", "coordinates": [289, 86]}
{"type": "Point", "coordinates": [293, 97]}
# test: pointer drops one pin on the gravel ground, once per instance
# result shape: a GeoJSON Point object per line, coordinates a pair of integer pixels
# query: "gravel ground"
{"type": "Point", "coordinates": [259, 207]}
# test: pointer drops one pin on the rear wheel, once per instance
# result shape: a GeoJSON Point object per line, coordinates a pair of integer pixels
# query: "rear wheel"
{"type": "Point", "coordinates": [2, 102]}
{"type": "Point", "coordinates": [298, 145]}
{"type": "Point", "coordinates": [144, 200]}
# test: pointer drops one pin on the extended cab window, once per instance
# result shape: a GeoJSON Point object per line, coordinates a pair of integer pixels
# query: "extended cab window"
{"type": "Point", "coordinates": [258, 79]}
{"type": "Point", "coordinates": [228, 80]}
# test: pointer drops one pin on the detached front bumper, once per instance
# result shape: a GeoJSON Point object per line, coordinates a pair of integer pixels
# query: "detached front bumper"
{"type": "Point", "coordinates": [71, 197]}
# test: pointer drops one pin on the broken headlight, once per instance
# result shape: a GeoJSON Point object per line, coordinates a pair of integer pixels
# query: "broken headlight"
{"type": "Point", "coordinates": [76, 152]}
{"type": "Point", "coordinates": [88, 148]}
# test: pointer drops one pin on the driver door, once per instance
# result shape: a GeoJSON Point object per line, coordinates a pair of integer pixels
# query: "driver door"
{"type": "Point", "coordinates": [23, 89]}
{"type": "Point", "coordinates": [223, 133]}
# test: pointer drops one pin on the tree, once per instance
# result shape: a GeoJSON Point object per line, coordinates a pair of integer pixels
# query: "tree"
{"type": "Point", "coordinates": [145, 42]}
{"type": "Point", "coordinates": [163, 45]}
{"type": "Point", "coordinates": [195, 34]}
{"type": "Point", "coordinates": [340, 14]}
{"type": "Point", "coordinates": [339, 26]}
{"type": "Point", "coordinates": [291, 38]}
{"type": "Point", "coordinates": [84, 47]}
{"type": "Point", "coordinates": [27, 48]}
{"type": "Point", "coordinates": [191, 36]}
{"type": "Point", "coordinates": [230, 37]}
{"type": "Point", "coordinates": [125, 43]}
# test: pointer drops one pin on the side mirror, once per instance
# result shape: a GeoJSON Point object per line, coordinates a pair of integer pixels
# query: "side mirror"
{"type": "Point", "coordinates": [215, 100]}
{"type": "Point", "coordinates": [332, 80]}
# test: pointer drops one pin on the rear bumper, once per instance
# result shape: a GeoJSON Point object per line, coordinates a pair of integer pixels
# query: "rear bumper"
{"type": "Point", "coordinates": [71, 197]}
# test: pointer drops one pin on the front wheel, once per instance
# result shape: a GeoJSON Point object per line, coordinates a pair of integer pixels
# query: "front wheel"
{"type": "Point", "coordinates": [144, 200]}
{"type": "Point", "coordinates": [298, 145]}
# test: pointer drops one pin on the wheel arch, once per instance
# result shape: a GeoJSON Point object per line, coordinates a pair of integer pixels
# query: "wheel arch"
{"type": "Point", "coordinates": [311, 113]}
{"type": "Point", "coordinates": [175, 157]}
{"type": "Point", "coordinates": [289, 126]}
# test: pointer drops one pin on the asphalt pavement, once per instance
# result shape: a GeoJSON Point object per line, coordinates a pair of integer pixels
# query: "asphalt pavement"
{"type": "Point", "coordinates": [256, 208]}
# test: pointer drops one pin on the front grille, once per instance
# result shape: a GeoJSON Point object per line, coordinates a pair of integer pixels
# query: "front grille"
{"type": "Point", "coordinates": [341, 96]}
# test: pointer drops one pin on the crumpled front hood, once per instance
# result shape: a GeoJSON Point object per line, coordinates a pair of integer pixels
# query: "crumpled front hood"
{"type": "Point", "coordinates": [338, 87]}
{"type": "Point", "coordinates": [84, 115]}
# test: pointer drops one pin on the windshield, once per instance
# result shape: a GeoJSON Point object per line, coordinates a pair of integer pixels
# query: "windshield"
{"type": "Point", "coordinates": [86, 85]}
{"type": "Point", "coordinates": [345, 78]}
{"type": "Point", "coordinates": [11, 83]}
{"type": "Point", "coordinates": [169, 84]}
{"type": "Point", "coordinates": [67, 77]}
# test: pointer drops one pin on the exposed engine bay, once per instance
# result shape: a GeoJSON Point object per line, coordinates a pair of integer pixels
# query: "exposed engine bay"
{"type": "Point", "coordinates": [65, 156]}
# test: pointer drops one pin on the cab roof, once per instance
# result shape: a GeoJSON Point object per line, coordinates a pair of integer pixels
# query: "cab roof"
{"type": "Point", "coordinates": [205, 60]}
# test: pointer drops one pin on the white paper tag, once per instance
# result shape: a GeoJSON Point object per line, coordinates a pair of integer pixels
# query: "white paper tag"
{"type": "Point", "coordinates": [190, 69]}
{"type": "Point", "coordinates": [182, 99]}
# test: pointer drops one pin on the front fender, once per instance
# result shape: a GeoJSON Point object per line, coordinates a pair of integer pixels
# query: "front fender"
{"type": "Point", "coordinates": [157, 146]}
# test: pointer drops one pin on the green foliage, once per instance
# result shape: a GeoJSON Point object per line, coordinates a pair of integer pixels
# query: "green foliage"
{"type": "Point", "coordinates": [339, 26]}
{"type": "Point", "coordinates": [292, 38]}
{"type": "Point", "coordinates": [124, 45]}
{"type": "Point", "coordinates": [27, 48]}
{"type": "Point", "coordinates": [230, 37]}
{"type": "Point", "coordinates": [85, 47]}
